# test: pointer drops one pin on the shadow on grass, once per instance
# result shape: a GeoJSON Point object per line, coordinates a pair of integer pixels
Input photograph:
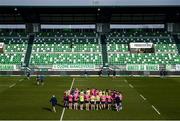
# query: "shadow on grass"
{"type": "Point", "coordinates": [60, 105]}
{"type": "Point", "coordinates": [47, 109]}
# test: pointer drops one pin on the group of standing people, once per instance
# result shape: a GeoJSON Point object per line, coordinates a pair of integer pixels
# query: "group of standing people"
{"type": "Point", "coordinates": [93, 99]}
{"type": "Point", "coordinates": [40, 79]}
{"type": "Point", "coordinates": [90, 99]}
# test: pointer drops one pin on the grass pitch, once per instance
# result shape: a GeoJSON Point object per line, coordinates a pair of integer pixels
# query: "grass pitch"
{"type": "Point", "coordinates": [145, 98]}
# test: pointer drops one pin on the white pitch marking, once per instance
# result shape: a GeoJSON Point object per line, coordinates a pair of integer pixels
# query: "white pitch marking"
{"type": "Point", "coordinates": [142, 97]}
{"type": "Point", "coordinates": [131, 85]}
{"type": "Point", "coordinates": [12, 85]}
{"type": "Point", "coordinates": [156, 110]}
{"type": "Point", "coordinates": [65, 108]}
{"type": "Point", "coordinates": [20, 80]}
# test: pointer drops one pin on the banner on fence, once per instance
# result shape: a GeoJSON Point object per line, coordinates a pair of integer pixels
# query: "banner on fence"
{"type": "Point", "coordinates": [73, 66]}
{"type": "Point", "coordinates": [142, 67]}
{"type": "Point", "coordinates": [7, 67]}
{"type": "Point", "coordinates": [141, 45]}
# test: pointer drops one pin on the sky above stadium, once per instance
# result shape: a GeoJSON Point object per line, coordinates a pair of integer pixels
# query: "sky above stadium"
{"type": "Point", "coordinates": [89, 2]}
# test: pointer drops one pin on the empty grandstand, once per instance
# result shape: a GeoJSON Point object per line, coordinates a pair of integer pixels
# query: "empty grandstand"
{"type": "Point", "coordinates": [81, 49]}
{"type": "Point", "coordinates": [90, 39]}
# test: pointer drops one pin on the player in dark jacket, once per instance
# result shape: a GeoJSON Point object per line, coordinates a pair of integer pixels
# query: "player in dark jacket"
{"type": "Point", "coordinates": [117, 103]}
{"type": "Point", "coordinates": [42, 79]}
{"type": "Point", "coordinates": [53, 102]}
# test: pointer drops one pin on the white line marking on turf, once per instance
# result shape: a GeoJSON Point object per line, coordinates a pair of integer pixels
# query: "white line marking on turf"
{"type": "Point", "coordinates": [131, 85]}
{"type": "Point", "coordinates": [12, 85]}
{"type": "Point", "coordinates": [125, 81]}
{"type": "Point", "coordinates": [156, 110]}
{"type": "Point", "coordinates": [65, 108]}
{"type": "Point", "coordinates": [20, 80]}
{"type": "Point", "coordinates": [142, 97]}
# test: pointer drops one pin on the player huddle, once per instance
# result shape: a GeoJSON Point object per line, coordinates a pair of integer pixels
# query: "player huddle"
{"type": "Point", "coordinates": [93, 99]}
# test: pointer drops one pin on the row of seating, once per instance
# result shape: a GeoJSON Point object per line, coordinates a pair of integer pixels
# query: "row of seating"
{"type": "Point", "coordinates": [158, 40]}
{"type": "Point", "coordinates": [171, 48]}
{"type": "Point", "coordinates": [160, 44]}
{"type": "Point", "coordinates": [15, 48]}
{"type": "Point", "coordinates": [66, 47]}
{"type": "Point", "coordinates": [13, 33]}
{"type": "Point", "coordinates": [119, 51]}
{"type": "Point", "coordinates": [64, 33]}
{"type": "Point", "coordinates": [12, 58]}
{"type": "Point", "coordinates": [50, 59]}
{"type": "Point", "coordinates": [15, 44]}
{"type": "Point", "coordinates": [123, 59]}
{"type": "Point", "coordinates": [65, 40]}
{"type": "Point", "coordinates": [137, 33]}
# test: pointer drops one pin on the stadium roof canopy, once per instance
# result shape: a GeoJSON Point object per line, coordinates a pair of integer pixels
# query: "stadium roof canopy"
{"type": "Point", "coordinates": [90, 3]}
{"type": "Point", "coordinates": [89, 11]}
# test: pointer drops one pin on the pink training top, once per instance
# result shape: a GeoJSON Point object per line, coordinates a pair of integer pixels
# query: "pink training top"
{"type": "Point", "coordinates": [76, 97]}
{"type": "Point", "coordinates": [93, 91]}
{"type": "Point", "coordinates": [97, 92]}
{"type": "Point", "coordinates": [76, 91]}
{"type": "Point", "coordinates": [70, 97]}
{"type": "Point", "coordinates": [87, 97]}
{"type": "Point", "coordinates": [115, 95]}
{"type": "Point", "coordinates": [112, 95]}
{"type": "Point", "coordinates": [103, 98]}
{"type": "Point", "coordinates": [109, 98]}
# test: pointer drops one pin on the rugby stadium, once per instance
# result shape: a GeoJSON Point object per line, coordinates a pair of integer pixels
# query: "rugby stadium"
{"type": "Point", "coordinates": [89, 60]}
